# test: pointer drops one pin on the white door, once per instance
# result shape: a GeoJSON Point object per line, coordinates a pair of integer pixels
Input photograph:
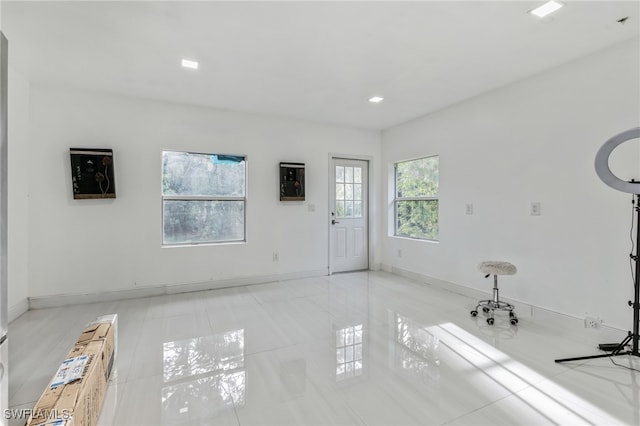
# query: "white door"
{"type": "Point", "coordinates": [349, 233]}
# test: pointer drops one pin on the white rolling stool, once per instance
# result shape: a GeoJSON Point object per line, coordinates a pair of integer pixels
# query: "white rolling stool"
{"type": "Point", "coordinates": [490, 306]}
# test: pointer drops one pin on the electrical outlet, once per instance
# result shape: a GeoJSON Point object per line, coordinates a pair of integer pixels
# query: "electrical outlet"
{"type": "Point", "coordinates": [535, 208]}
{"type": "Point", "coordinates": [469, 208]}
{"type": "Point", "coordinates": [592, 322]}
{"type": "Point", "coordinates": [276, 257]}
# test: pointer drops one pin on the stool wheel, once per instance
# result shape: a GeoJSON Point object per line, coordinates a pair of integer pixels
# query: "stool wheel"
{"type": "Point", "coordinates": [490, 321]}
{"type": "Point", "coordinates": [514, 321]}
{"type": "Point", "coordinates": [474, 313]}
{"type": "Point", "coordinates": [485, 309]}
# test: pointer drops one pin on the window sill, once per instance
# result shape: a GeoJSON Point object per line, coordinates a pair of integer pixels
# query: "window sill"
{"type": "Point", "coordinates": [400, 237]}
{"type": "Point", "coordinates": [221, 243]}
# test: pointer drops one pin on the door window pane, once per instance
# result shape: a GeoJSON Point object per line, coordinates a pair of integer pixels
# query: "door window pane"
{"type": "Point", "coordinates": [357, 174]}
{"type": "Point", "coordinates": [348, 205]}
{"type": "Point", "coordinates": [348, 174]}
{"type": "Point", "coordinates": [357, 192]}
{"type": "Point", "coordinates": [348, 194]}
{"type": "Point", "coordinates": [348, 191]}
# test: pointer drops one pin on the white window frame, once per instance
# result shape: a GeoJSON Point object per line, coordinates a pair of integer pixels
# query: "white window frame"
{"type": "Point", "coordinates": [206, 198]}
{"type": "Point", "coordinates": [397, 199]}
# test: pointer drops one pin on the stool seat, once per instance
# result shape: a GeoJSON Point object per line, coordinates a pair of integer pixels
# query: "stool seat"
{"type": "Point", "coordinates": [497, 268]}
{"type": "Point", "coordinates": [489, 306]}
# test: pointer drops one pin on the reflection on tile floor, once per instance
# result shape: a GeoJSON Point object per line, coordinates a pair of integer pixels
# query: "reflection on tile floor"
{"type": "Point", "coordinates": [361, 348]}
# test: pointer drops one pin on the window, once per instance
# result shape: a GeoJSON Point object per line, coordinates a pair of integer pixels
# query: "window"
{"type": "Point", "coordinates": [203, 198]}
{"type": "Point", "coordinates": [348, 191]}
{"type": "Point", "coordinates": [416, 198]}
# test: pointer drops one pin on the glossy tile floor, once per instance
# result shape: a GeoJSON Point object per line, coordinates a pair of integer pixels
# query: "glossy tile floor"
{"type": "Point", "coordinates": [361, 348]}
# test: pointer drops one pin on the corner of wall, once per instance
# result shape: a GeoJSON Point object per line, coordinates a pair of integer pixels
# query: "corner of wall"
{"type": "Point", "coordinates": [18, 309]}
{"type": "Point", "coordinates": [18, 194]}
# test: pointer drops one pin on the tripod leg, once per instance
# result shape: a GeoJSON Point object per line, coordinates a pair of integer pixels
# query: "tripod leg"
{"type": "Point", "coordinates": [622, 344]}
{"type": "Point", "coordinates": [617, 351]}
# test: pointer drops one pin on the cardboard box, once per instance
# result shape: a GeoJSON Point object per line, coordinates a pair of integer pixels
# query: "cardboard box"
{"type": "Point", "coordinates": [75, 395]}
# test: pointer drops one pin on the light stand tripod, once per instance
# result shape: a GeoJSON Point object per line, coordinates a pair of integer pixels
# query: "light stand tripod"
{"type": "Point", "coordinates": [633, 336]}
{"type": "Point", "coordinates": [633, 187]}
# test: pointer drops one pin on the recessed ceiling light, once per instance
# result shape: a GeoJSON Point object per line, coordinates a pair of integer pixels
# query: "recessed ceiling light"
{"type": "Point", "coordinates": [190, 64]}
{"type": "Point", "coordinates": [547, 8]}
{"type": "Point", "coordinates": [375, 99]}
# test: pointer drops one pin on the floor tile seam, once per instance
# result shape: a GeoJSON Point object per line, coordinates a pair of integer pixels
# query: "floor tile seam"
{"type": "Point", "coordinates": [265, 351]}
{"type": "Point", "coordinates": [235, 411]}
{"type": "Point", "coordinates": [530, 385]}
{"type": "Point", "coordinates": [135, 350]}
{"type": "Point", "coordinates": [370, 322]}
{"type": "Point", "coordinates": [279, 300]}
{"type": "Point", "coordinates": [209, 320]}
{"type": "Point", "coordinates": [31, 403]}
{"type": "Point", "coordinates": [345, 403]}
{"type": "Point", "coordinates": [12, 403]}
{"type": "Point", "coordinates": [125, 385]}
{"type": "Point", "coordinates": [233, 402]}
{"type": "Point", "coordinates": [60, 343]}
{"type": "Point", "coordinates": [294, 314]}
{"type": "Point", "coordinates": [226, 307]}
{"type": "Point", "coordinates": [116, 382]}
{"type": "Point", "coordinates": [526, 383]}
{"type": "Point", "coordinates": [167, 300]}
{"type": "Point", "coordinates": [475, 410]}
{"type": "Point", "coordinates": [311, 300]}
{"type": "Point", "coordinates": [131, 379]}
{"type": "Point", "coordinates": [119, 396]}
{"type": "Point", "coordinates": [524, 400]}
{"type": "Point", "coordinates": [173, 315]}
{"type": "Point", "coordinates": [576, 368]}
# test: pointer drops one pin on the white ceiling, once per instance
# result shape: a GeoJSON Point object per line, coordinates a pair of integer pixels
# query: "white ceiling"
{"type": "Point", "coordinates": [317, 61]}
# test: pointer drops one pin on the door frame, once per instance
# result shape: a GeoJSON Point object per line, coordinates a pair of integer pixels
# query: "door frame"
{"type": "Point", "coordinates": [331, 191]}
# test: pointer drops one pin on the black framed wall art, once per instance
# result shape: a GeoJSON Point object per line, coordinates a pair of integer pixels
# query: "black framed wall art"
{"type": "Point", "coordinates": [92, 175]}
{"type": "Point", "coordinates": [292, 178]}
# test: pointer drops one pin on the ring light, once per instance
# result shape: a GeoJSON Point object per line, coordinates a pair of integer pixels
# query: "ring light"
{"type": "Point", "coordinates": [602, 162]}
{"type": "Point", "coordinates": [604, 173]}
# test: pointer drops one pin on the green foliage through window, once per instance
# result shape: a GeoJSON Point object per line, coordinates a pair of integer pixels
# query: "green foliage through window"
{"type": "Point", "coordinates": [203, 198]}
{"type": "Point", "coordinates": [416, 200]}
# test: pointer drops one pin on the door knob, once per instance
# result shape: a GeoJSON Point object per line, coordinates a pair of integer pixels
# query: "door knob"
{"type": "Point", "coordinates": [333, 221]}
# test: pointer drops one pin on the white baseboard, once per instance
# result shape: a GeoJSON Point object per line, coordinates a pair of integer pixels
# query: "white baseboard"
{"type": "Point", "coordinates": [438, 283]}
{"type": "Point", "coordinates": [56, 300]}
{"type": "Point", "coordinates": [18, 309]}
{"type": "Point", "coordinates": [524, 309]}
{"type": "Point", "coordinates": [242, 281]}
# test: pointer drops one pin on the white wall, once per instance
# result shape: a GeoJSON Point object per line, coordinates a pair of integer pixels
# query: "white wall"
{"type": "Point", "coordinates": [18, 194]}
{"type": "Point", "coordinates": [90, 246]}
{"type": "Point", "coordinates": [532, 141]}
